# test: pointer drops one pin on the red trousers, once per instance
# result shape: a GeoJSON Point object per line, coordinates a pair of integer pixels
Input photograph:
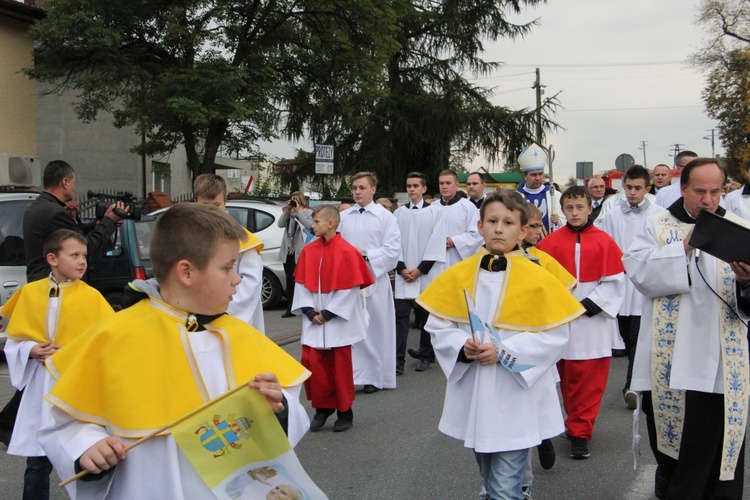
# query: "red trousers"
{"type": "Point", "coordinates": [331, 384]}
{"type": "Point", "coordinates": [582, 383]}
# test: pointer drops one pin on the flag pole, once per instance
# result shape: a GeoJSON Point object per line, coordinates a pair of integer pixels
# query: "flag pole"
{"type": "Point", "coordinates": [165, 428]}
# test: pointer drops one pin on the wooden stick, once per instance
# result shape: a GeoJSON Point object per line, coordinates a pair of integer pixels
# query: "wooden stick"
{"type": "Point", "coordinates": [165, 428]}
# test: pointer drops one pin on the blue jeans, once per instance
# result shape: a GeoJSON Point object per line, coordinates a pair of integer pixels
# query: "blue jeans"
{"type": "Point", "coordinates": [36, 478]}
{"type": "Point", "coordinates": [502, 473]}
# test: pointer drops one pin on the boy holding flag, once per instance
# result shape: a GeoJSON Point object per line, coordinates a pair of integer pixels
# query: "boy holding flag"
{"type": "Point", "coordinates": [160, 359]}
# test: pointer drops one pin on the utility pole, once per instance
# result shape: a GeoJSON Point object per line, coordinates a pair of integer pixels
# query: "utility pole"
{"type": "Point", "coordinates": [643, 147]}
{"type": "Point", "coordinates": [539, 91]}
{"type": "Point", "coordinates": [677, 148]}
{"type": "Point", "coordinates": [713, 152]}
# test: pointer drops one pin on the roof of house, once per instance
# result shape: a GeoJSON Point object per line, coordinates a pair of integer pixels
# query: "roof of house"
{"type": "Point", "coordinates": [29, 10]}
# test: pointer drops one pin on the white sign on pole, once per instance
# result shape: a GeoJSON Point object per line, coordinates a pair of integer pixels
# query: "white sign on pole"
{"type": "Point", "coordinates": [323, 159]}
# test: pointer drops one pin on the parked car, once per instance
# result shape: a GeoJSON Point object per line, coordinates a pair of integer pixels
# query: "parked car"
{"type": "Point", "coordinates": [259, 217]}
{"type": "Point", "coordinates": [110, 271]}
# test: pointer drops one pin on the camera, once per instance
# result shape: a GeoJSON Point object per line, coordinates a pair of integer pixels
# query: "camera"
{"type": "Point", "coordinates": [292, 203]}
{"type": "Point", "coordinates": [126, 198]}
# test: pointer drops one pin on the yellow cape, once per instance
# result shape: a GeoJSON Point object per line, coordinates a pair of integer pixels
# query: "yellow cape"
{"type": "Point", "coordinates": [530, 300]}
{"type": "Point", "coordinates": [135, 372]}
{"type": "Point", "coordinates": [80, 307]}
{"type": "Point", "coordinates": [252, 241]}
{"type": "Point", "coordinates": [555, 268]}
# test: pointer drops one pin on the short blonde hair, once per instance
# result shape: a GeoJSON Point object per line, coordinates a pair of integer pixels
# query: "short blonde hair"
{"type": "Point", "coordinates": [370, 176]}
{"type": "Point", "coordinates": [330, 212]}
{"type": "Point", "coordinates": [174, 236]}
{"type": "Point", "coordinates": [386, 203]}
{"type": "Point", "coordinates": [209, 186]}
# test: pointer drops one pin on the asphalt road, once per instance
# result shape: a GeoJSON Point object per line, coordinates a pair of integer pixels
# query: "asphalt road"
{"type": "Point", "coordinates": [395, 451]}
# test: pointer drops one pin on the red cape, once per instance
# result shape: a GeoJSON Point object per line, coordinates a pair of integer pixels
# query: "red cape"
{"type": "Point", "coordinates": [600, 255]}
{"type": "Point", "coordinates": [342, 266]}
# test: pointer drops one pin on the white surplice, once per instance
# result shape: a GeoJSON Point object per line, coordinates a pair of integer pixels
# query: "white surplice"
{"type": "Point", "coordinates": [347, 328]}
{"type": "Point", "coordinates": [738, 202]}
{"type": "Point", "coordinates": [622, 227]}
{"type": "Point", "coordinates": [157, 468]}
{"type": "Point", "coordinates": [666, 270]}
{"type": "Point", "coordinates": [247, 302]}
{"type": "Point", "coordinates": [487, 407]}
{"type": "Point", "coordinates": [613, 201]}
{"type": "Point", "coordinates": [422, 239]}
{"type": "Point", "coordinates": [595, 337]}
{"type": "Point", "coordinates": [375, 232]}
{"type": "Point", "coordinates": [460, 220]}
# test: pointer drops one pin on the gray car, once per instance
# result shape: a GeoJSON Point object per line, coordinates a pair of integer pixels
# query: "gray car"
{"type": "Point", "coordinates": [12, 258]}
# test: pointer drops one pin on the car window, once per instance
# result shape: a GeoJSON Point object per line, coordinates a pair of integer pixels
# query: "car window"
{"type": "Point", "coordinates": [262, 220]}
{"type": "Point", "coordinates": [116, 251]}
{"type": "Point", "coordinates": [143, 238]}
{"type": "Point", "coordinates": [240, 215]}
{"type": "Point", "coordinates": [11, 232]}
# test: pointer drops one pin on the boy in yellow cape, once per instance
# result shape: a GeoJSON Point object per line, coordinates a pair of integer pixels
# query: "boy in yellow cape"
{"type": "Point", "coordinates": [247, 303]}
{"type": "Point", "coordinates": [46, 315]}
{"type": "Point", "coordinates": [500, 398]}
{"type": "Point", "coordinates": [154, 362]}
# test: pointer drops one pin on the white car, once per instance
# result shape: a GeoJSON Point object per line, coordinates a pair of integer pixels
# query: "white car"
{"type": "Point", "coordinates": [12, 254]}
{"type": "Point", "coordinates": [259, 217]}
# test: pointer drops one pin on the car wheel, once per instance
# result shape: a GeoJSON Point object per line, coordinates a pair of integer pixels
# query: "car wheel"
{"type": "Point", "coordinates": [116, 300]}
{"type": "Point", "coordinates": [271, 292]}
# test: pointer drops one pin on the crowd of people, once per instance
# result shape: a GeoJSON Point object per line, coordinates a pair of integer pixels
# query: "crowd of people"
{"type": "Point", "coordinates": [512, 291]}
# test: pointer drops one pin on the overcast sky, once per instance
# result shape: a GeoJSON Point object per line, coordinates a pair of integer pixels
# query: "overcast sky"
{"type": "Point", "coordinates": [620, 68]}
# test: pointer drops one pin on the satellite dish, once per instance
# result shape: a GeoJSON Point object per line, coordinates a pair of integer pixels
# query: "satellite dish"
{"type": "Point", "coordinates": [624, 162]}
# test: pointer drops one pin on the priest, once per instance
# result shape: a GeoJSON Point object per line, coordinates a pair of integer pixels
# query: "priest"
{"type": "Point", "coordinates": [692, 356]}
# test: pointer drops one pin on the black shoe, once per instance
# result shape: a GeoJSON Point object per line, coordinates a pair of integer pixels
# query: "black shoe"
{"type": "Point", "coordinates": [319, 420]}
{"type": "Point", "coordinates": [579, 448]}
{"type": "Point", "coordinates": [344, 422]}
{"type": "Point", "coordinates": [631, 399]}
{"type": "Point", "coordinates": [422, 365]}
{"type": "Point", "coordinates": [287, 314]}
{"type": "Point", "coordinates": [370, 389]}
{"type": "Point", "coordinates": [546, 454]}
{"type": "Point", "coordinates": [413, 353]}
{"type": "Point", "coordinates": [399, 370]}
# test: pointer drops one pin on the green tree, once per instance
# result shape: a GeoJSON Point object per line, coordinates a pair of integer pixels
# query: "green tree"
{"type": "Point", "coordinates": [725, 57]}
{"type": "Point", "coordinates": [727, 99]}
{"type": "Point", "coordinates": [432, 113]}
{"type": "Point", "coordinates": [214, 73]}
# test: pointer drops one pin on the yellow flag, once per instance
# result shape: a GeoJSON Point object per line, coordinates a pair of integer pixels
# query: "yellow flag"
{"type": "Point", "coordinates": [230, 432]}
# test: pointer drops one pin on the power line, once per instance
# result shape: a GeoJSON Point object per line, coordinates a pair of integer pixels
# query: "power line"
{"type": "Point", "coordinates": [626, 109]}
{"type": "Point", "coordinates": [594, 65]}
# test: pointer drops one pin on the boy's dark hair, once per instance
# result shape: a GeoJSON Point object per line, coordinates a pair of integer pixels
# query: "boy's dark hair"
{"type": "Point", "coordinates": [209, 186]}
{"type": "Point", "coordinates": [55, 172]}
{"type": "Point", "coordinates": [329, 211]}
{"type": "Point", "coordinates": [417, 175]}
{"type": "Point", "coordinates": [174, 236]}
{"type": "Point", "coordinates": [638, 172]}
{"type": "Point", "coordinates": [56, 240]}
{"type": "Point", "coordinates": [684, 153]}
{"type": "Point", "coordinates": [576, 192]}
{"type": "Point", "coordinates": [512, 199]}
{"type": "Point", "coordinates": [448, 172]}
{"type": "Point", "coordinates": [699, 162]}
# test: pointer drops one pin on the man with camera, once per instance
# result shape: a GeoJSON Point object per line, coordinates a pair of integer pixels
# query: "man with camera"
{"type": "Point", "coordinates": [48, 214]}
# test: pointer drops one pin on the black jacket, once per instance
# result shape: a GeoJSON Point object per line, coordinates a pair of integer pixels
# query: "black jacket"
{"type": "Point", "coordinates": [45, 216]}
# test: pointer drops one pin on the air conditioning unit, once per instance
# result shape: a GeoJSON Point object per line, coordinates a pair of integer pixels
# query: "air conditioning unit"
{"type": "Point", "coordinates": [20, 171]}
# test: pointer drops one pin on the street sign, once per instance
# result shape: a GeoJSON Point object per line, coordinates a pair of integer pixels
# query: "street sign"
{"type": "Point", "coordinates": [624, 162]}
{"type": "Point", "coordinates": [584, 169]}
{"type": "Point", "coordinates": [323, 159]}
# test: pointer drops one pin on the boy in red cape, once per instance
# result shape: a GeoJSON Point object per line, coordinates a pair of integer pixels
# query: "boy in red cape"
{"type": "Point", "coordinates": [594, 259]}
{"type": "Point", "coordinates": [329, 275]}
